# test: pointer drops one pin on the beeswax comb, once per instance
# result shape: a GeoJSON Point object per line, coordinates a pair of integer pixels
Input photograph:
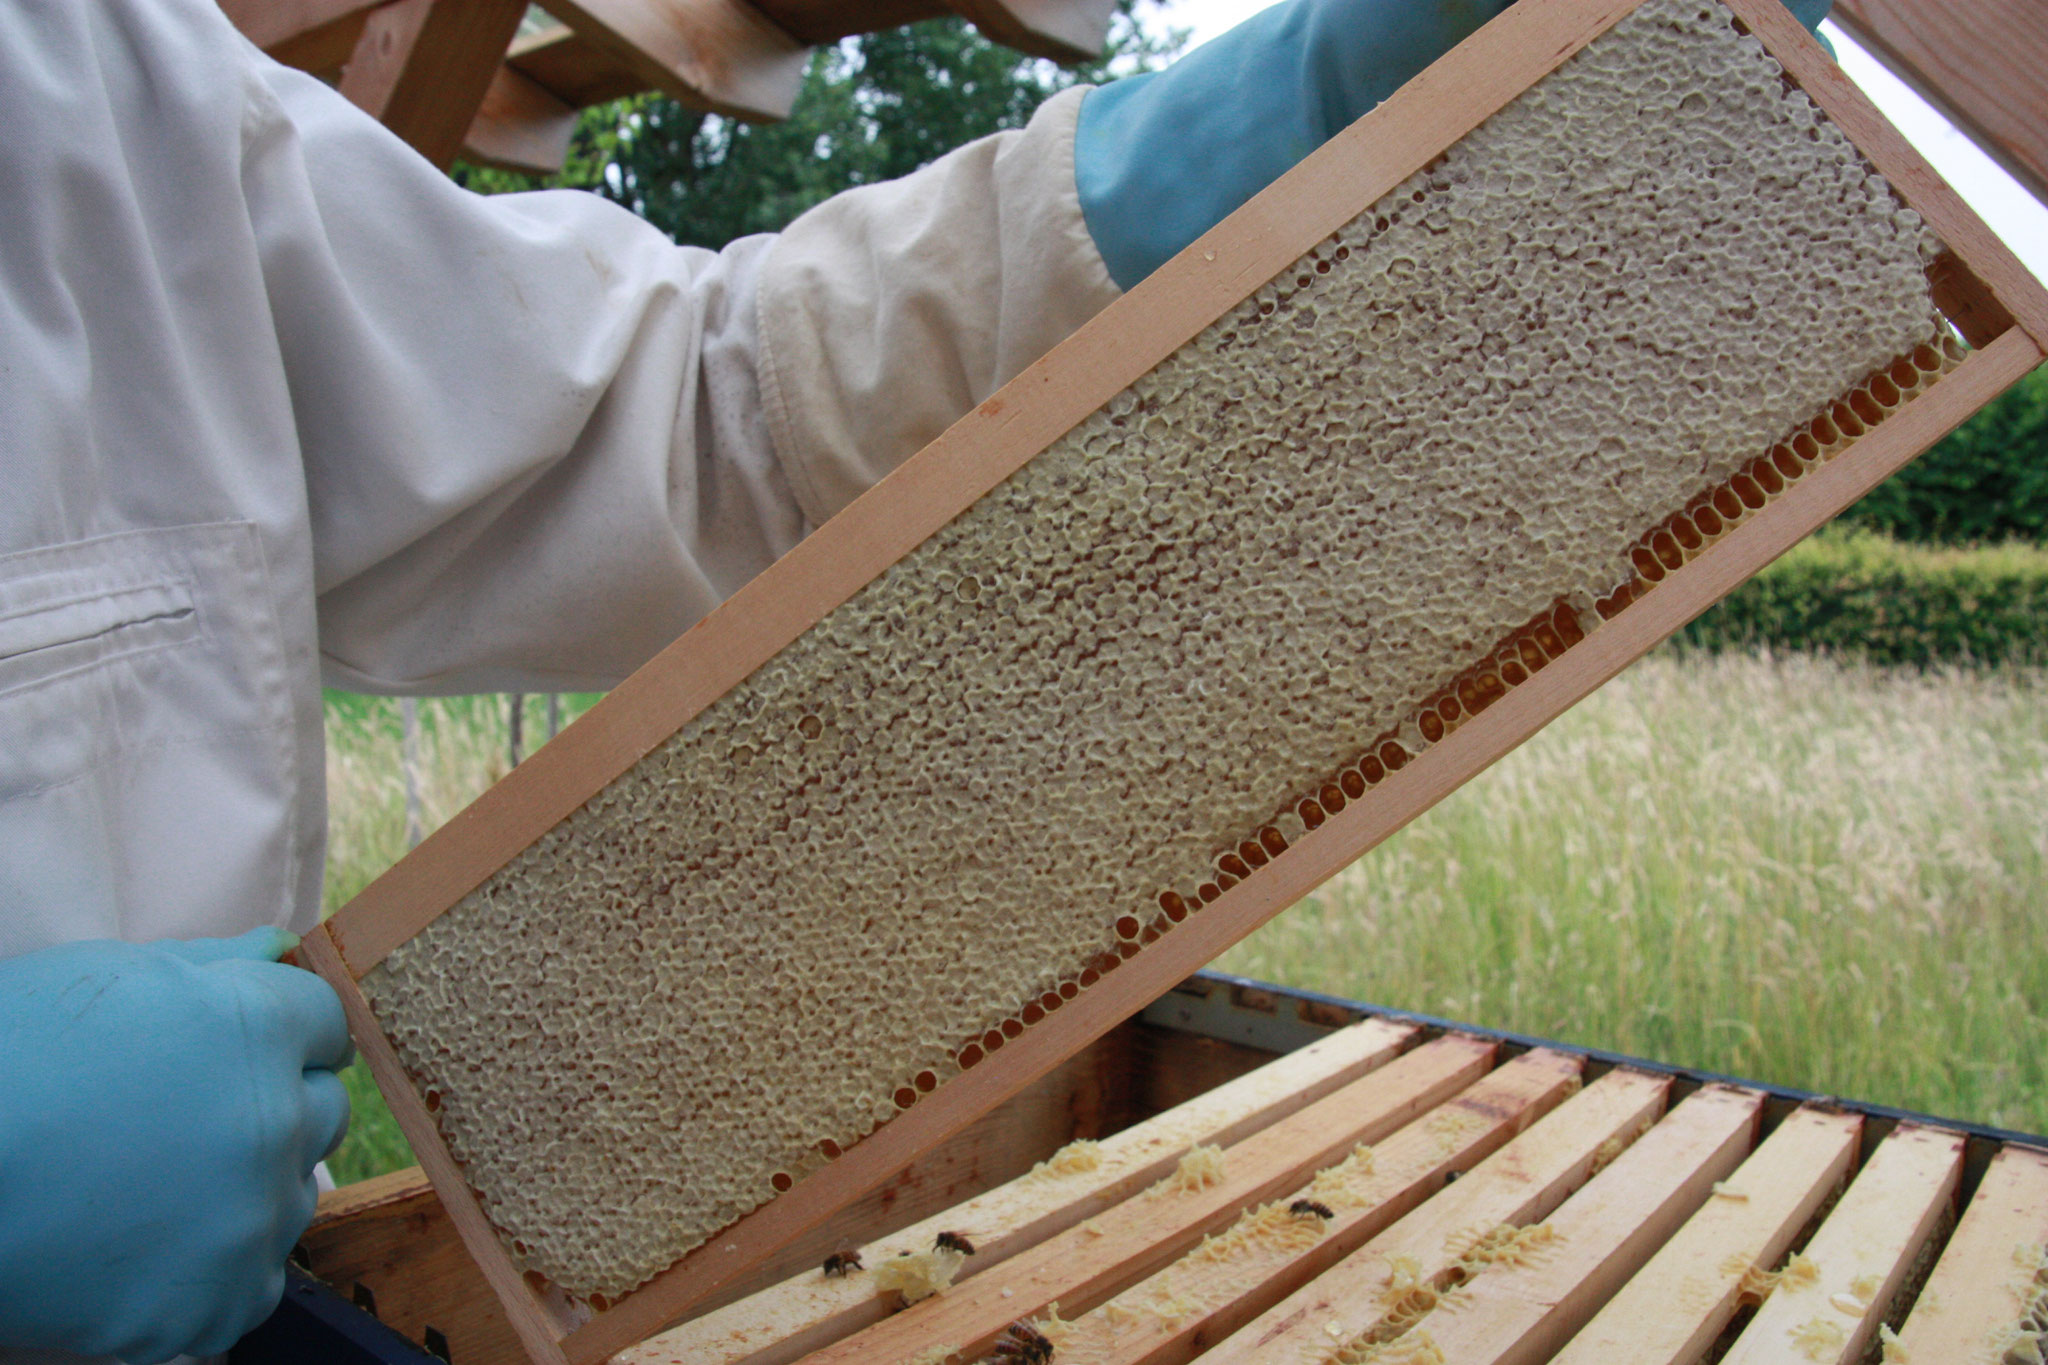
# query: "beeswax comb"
{"type": "Point", "coordinates": [1536, 361]}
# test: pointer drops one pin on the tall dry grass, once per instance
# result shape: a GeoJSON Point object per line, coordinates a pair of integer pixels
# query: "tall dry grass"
{"type": "Point", "coordinates": [461, 748]}
{"type": "Point", "coordinates": [1814, 873]}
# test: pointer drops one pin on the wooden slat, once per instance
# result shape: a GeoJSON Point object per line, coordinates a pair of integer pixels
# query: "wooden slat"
{"type": "Point", "coordinates": [1977, 1292]}
{"type": "Point", "coordinates": [1851, 110]}
{"type": "Point", "coordinates": [1521, 1183]}
{"type": "Point", "coordinates": [783, 1322]}
{"type": "Point", "coordinates": [1081, 1267]}
{"type": "Point", "coordinates": [1862, 1255]}
{"type": "Point", "coordinates": [313, 35]}
{"type": "Point", "coordinates": [1064, 30]}
{"type": "Point", "coordinates": [720, 55]}
{"type": "Point", "coordinates": [1207, 1295]}
{"type": "Point", "coordinates": [1521, 1314]}
{"type": "Point", "coordinates": [519, 126]}
{"type": "Point", "coordinates": [1984, 64]}
{"type": "Point", "coordinates": [421, 67]}
{"type": "Point", "coordinates": [1671, 1311]}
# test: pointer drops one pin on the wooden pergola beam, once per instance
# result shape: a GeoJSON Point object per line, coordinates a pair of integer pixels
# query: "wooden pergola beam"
{"type": "Point", "coordinates": [312, 35]}
{"type": "Point", "coordinates": [826, 21]}
{"type": "Point", "coordinates": [422, 67]}
{"type": "Point", "coordinates": [572, 68]}
{"type": "Point", "coordinates": [1064, 30]}
{"type": "Point", "coordinates": [434, 74]}
{"type": "Point", "coordinates": [724, 56]}
{"type": "Point", "coordinates": [520, 127]}
{"type": "Point", "coordinates": [1984, 65]}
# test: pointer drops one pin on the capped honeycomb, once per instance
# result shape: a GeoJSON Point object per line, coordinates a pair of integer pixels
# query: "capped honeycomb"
{"type": "Point", "coordinates": [1602, 330]}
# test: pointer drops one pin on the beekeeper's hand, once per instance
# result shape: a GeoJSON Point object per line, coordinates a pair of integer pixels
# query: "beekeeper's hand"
{"type": "Point", "coordinates": [162, 1106]}
{"type": "Point", "coordinates": [1163, 157]}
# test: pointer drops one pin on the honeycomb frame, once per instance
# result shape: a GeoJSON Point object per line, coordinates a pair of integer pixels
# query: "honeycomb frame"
{"type": "Point", "coordinates": [1468, 729]}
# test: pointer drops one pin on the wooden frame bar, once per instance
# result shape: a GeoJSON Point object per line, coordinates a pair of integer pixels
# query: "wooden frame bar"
{"type": "Point", "coordinates": [313, 35]}
{"type": "Point", "coordinates": [1520, 1314]}
{"type": "Point", "coordinates": [1069, 31]}
{"type": "Point", "coordinates": [1974, 1294]}
{"type": "Point", "coordinates": [1085, 1265]}
{"type": "Point", "coordinates": [519, 126]}
{"type": "Point", "coordinates": [1522, 1183]}
{"type": "Point", "coordinates": [1861, 1255]}
{"type": "Point", "coordinates": [1128, 339]}
{"type": "Point", "coordinates": [1026, 1212]}
{"type": "Point", "coordinates": [1673, 1309]}
{"type": "Point", "coordinates": [1406, 1169]}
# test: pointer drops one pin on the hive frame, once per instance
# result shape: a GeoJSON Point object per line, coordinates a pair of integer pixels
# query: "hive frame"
{"type": "Point", "coordinates": [1991, 299]}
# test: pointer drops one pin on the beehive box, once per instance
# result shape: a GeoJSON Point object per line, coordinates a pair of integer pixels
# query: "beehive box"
{"type": "Point", "coordinates": [1590, 321]}
{"type": "Point", "coordinates": [1521, 1201]}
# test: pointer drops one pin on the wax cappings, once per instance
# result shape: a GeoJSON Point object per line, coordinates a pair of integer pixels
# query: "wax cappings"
{"type": "Point", "coordinates": [950, 805]}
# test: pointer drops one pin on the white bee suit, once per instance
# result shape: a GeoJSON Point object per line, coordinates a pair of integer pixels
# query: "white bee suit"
{"type": "Point", "coordinates": [279, 403]}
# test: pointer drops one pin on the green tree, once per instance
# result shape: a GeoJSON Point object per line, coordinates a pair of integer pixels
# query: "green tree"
{"type": "Point", "coordinates": [873, 108]}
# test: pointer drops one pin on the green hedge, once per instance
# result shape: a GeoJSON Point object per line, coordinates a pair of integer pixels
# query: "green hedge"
{"type": "Point", "coordinates": [1988, 482]}
{"type": "Point", "coordinates": [1855, 592]}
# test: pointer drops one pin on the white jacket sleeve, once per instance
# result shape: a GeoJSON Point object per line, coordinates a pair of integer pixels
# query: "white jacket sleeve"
{"type": "Point", "coordinates": [888, 312]}
{"type": "Point", "coordinates": [540, 440]}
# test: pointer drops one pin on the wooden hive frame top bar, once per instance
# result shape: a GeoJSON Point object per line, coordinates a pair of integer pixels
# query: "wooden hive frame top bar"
{"type": "Point", "coordinates": [1992, 299]}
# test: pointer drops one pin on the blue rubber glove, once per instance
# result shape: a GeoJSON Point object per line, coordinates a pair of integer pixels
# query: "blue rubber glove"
{"type": "Point", "coordinates": [162, 1106]}
{"type": "Point", "coordinates": [1161, 158]}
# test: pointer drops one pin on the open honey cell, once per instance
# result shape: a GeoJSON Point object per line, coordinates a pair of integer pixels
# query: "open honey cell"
{"type": "Point", "coordinates": [921, 812]}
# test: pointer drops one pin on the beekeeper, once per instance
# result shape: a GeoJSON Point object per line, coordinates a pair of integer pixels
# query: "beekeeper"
{"type": "Point", "coordinates": [281, 405]}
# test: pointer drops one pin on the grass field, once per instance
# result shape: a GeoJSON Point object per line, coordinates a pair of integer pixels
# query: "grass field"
{"type": "Point", "coordinates": [1812, 873]}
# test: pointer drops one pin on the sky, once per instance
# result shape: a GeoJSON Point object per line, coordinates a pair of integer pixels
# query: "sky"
{"type": "Point", "coordinates": [2011, 212]}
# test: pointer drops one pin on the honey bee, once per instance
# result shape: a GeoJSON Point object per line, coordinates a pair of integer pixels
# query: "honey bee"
{"type": "Point", "coordinates": [1022, 1344]}
{"type": "Point", "coordinates": [1309, 1208]}
{"type": "Point", "coordinates": [954, 1241]}
{"type": "Point", "coordinates": [842, 1263]}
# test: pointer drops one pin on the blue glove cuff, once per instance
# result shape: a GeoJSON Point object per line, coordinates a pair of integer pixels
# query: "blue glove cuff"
{"type": "Point", "coordinates": [1161, 158]}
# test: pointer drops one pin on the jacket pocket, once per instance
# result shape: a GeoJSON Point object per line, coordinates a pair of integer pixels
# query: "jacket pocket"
{"type": "Point", "coordinates": [43, 639]}
{"type": "Point", "coordinates": [149, 774]}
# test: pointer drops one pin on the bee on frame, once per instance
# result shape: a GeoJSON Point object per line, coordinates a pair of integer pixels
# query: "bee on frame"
{"type": "Point", "coordinates": [1022, 1344]}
